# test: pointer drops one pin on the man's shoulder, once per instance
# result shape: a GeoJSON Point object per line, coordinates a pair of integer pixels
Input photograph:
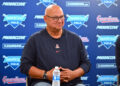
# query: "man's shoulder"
{"type": "Point", "coordinates": [38, 33]}
{"type": "Point", "coordinates": [71, 34]}
{"type": "Point", "coordinates": [118, 40]}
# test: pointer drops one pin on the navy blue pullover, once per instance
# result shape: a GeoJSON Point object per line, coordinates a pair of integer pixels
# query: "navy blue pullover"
{"type": "Point", "coordinates": [45, 53]}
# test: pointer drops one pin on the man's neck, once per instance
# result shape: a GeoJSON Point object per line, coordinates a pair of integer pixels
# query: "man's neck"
{"type": "Point", "coordinates": [55, 33]}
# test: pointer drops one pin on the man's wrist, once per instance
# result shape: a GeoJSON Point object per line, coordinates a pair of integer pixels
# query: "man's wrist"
{"type": "Point", "coordinates": [45, 75]}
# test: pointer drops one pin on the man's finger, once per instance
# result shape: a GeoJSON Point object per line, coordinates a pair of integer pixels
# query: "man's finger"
{"type": "Point", "coordinates": [64, 69]}
{"type": "Point", "coordinates": [65, 80]}
{"type": "Point", "coordinates": [65, 77]}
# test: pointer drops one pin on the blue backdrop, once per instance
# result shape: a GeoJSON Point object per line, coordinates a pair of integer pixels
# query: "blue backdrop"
{"type": "Point", "coordinates": [97, 22]}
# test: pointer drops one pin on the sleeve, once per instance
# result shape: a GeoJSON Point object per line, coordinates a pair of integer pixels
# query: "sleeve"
{"type": "Point", "coordinates": [28, 56]}
{"type": "Point", "coordinates": [117, 53]}
{"type": "Point", "coordinates": [84, 61]}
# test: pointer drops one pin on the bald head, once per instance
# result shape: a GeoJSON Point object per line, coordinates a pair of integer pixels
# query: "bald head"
{"type": "Point", "coordinates": [53, 9]}
{"type": "Point", "coordinates": [54, 18]}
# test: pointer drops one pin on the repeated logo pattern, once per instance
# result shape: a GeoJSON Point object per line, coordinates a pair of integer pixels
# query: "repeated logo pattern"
{"type": "Point", "coordinates": [45, 2]}
{"type": "Point", "coordinates": [107, 40]}
{"type": "Point", "coordinates": [108, 3]}
{"type": "Point", "coordinates": [101, 22]}
{"type": "Point", "coordinates": [12, 61]}
{"type": "Point", "coordinates": [14, 20]}
{"type": "Point", "coordinates": [77, 20]}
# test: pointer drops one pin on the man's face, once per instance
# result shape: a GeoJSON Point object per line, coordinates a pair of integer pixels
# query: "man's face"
{"type": "Point", "coordinates": [55, 19]}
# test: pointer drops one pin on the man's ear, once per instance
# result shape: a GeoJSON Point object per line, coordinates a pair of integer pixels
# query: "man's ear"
{"type": "Point", "coordinates": [45, 18]}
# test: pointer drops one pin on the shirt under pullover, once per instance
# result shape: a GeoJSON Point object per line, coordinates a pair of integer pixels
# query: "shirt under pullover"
{"type": "Point", "coordinates": [45, 52]}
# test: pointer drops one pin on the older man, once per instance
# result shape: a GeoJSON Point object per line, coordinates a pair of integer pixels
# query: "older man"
{"type": "Point", "coordinates": [54, 46]}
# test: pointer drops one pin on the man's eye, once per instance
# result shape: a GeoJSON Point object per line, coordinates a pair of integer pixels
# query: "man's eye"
{"type": "Point", "coordinates": [61, 16]}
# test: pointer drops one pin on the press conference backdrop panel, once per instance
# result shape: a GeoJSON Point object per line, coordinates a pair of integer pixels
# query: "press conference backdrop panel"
{"type": "Point", "coordinates": [97, 22]}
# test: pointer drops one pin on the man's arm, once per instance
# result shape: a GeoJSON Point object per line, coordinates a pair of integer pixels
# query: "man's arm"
{"type": "Point", "coordinates": [79, 72]}
{"type": "Point", "coordinates": [84, 66]}
{"type": "Point", "coordinates": [84, 61]}
{"type": "Point", "coordinates": [117, 53]}
{"type": "Point", "coordinates": [34, 72]}
{"type": "Point", "coordinates": [37, 73]}
{"type": "Point", "coordinates": [28, 58]}
{"type": "Point", "coordinates": [28, 62]}
{"type": "Point", "coordinates": [68, 75]}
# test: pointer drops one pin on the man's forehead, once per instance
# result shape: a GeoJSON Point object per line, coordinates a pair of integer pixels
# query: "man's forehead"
{"type": "Point", "coordinates": [55, 14]}
{"type": "Point", "coordinates": [52, 9]}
